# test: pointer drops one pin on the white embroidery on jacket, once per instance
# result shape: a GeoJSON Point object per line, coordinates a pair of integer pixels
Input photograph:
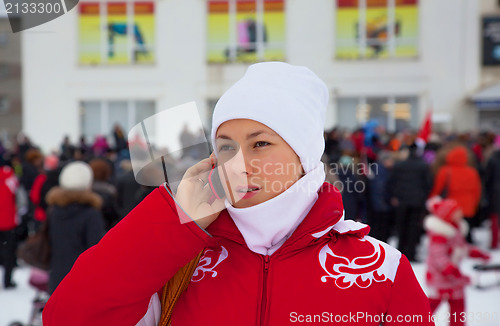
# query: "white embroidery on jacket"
{"type": "Point", "coordinates": [208, 262]}
{"type": "Point", "coordinates": [379, 266]}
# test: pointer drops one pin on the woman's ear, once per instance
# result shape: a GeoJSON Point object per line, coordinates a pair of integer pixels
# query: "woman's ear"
{"type": "Point", "coordinates": [213, 159]}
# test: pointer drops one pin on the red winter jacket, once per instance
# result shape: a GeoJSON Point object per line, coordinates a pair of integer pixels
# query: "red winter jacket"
{"type": "Point", "coordinates": [328, 269]}
{"type": "Point", "coordinates": [462, 181]}
{"type": "Point", "coordinates": [36, 197]}
{"type": "Point", "coordinates": [8, 187]}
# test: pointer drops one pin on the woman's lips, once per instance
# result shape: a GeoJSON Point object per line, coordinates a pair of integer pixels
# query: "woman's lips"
{"type": "Point", "coordinates": [247, 191]}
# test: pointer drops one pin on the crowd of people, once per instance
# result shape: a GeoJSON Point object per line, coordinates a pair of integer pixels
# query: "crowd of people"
{"type": "Point", "coordinates": [385, 180]}
{"type": "Point", "coordinates": [81, 191]}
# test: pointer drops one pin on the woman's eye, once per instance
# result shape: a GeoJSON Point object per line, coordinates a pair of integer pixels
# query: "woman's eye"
{"type": "Point", "coordinates": [261, 143]}
{"type": "Point", "coordinates": [224, 148]}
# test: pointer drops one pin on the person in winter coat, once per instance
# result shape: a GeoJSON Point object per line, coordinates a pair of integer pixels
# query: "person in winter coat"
{"type": "Point", "coordinates": [492, 188]}
{"type": "Point", "coordinates": [447, 247]}
{"type": "Point", "coordinates": [120, 139]}
{"type": "Point", "coordinates": [102, 171]}
{"type": "Point", "coordinates": [275, 250]}
{"type": "Point", "coordinates": [39, 189]}
{"type": "Point", "coordinates": [32, 166]}
{"type": "Point", "coordinates": [75, 222]}
{"type": "Point", "coordinates": [381, 213]}
{"type": "Point", "coordinates": [348, 186]}
{"type": "Point", "coordinates": [409, 185]}
{"type": "Point", "coordinates": [8, 222]}
{"type": "Point", "coordinates": [126, 187]}
{"type": "Point", "coordinates": [460, 182]}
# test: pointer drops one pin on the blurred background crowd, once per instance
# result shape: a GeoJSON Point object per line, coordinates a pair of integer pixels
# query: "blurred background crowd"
{"type": "Point", "coordinates": [385, 179]}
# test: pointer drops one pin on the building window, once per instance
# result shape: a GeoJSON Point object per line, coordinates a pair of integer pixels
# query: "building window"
{"type": "Point", "coordinates": [245, 31]}
{"type": "Point", "coordinates": [376, 29]}
{"type": "Point", "coordinates": [393, 113]}
{"type": "Point", "coordinates": [4, 70]}
{"type": "Point", "coordinates": [4, 39]}
{"type": "Point", "coordinates": [116, 32]}
{"type": "Point", "coordinates": [100, 117]}
{"type": "Point", "coordinates": [4, 104]}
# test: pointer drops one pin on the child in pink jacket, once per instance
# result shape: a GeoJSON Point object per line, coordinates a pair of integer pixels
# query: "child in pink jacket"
{"type": "Point", "coordinates": [446, 229]}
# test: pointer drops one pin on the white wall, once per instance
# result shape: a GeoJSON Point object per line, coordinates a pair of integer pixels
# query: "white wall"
{"type": "Point", "coordinates": [445, 73]}
{"type": "Point", "coordinates": [54, 83]}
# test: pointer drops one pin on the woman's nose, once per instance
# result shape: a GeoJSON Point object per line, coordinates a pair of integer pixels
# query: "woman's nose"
{"type": "Point", "coordinates": [240, 164]}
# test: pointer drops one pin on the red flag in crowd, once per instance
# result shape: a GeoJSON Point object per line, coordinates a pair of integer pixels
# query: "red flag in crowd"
{"type": "Point", "coordinates": [426, 127]}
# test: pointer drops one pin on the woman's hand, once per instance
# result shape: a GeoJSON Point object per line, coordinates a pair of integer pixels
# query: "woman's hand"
{"type": "Point", "coordinates": [195, 196]}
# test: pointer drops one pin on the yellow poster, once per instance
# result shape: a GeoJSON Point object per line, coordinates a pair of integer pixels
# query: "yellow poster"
{"type": "Point", "coordinates": [244, 44]}
{"type": "Point", "coordinates": [349, 41]}
{"type": "Point", "coordinates": [105, 36]}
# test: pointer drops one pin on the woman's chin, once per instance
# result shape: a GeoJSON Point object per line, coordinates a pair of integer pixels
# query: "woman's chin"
{"type": "Point", "coordinates": [245, 203]}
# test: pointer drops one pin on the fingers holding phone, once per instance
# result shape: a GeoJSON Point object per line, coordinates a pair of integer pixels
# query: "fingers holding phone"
{"type": "Point", "coordinates": [195, 193]}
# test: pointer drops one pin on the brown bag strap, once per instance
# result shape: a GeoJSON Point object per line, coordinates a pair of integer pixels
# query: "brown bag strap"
{"type": "Point", "coordinates": [174, 288]}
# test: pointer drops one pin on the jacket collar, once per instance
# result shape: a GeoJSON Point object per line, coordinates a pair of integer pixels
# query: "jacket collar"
{"type": "Point", "coordinates": [63, 197]}
{"type": "Point", "coordinates": [325, 220]}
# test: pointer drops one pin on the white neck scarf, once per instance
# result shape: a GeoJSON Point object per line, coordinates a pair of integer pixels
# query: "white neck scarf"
{"type": "Point", "coordinates": [266, 226]}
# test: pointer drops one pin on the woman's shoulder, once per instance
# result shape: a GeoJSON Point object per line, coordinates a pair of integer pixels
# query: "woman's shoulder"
{"type": "Point", "coordinates": [360, 260]}
{"type": "Point", "coordinates": [362, 253]}
{"type": "Point", "coordinates": [369, 249]}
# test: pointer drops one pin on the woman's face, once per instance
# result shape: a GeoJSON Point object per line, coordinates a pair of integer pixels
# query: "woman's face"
{"type": "Point", "coordinates": [256, 161]}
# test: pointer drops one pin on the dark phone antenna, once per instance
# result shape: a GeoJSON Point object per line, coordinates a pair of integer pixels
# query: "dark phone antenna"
{"type": "Point", "coordinates": [151, 154]}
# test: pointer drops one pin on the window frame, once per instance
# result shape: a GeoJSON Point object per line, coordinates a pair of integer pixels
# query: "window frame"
{"type": "Point", "coordinates": [131, 43]}
{"type": "Point", "coordinates": [391, 101]}
{"type": "Point", "coordinates": [363, 42]}
{"type": "Point", "coordinates": [104, 114]}
{"type": "Point", "coordinates": [261, 38]}
{"type": "Point", "coordinates": [4, 104]}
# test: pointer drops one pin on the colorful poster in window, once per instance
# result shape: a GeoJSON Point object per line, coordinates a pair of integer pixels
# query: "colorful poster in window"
{"type": "Point", "coordinates": [378, 22]}
{"type": "Point", "coordinates": [248, 33]}
{"type": "Point", "coordinates": [105, 36]}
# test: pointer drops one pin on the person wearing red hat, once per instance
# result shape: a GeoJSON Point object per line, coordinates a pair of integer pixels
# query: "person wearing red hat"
{"type": "Point", "coordinates": [446, 229]}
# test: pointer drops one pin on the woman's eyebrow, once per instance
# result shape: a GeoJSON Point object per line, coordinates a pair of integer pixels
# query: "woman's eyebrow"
{"type": "Point", "coordinates": [249, 136]}
{"type": "Point", "coordinates": [260, 132]}
{"type": "Point", "coordinates": [223, 137]}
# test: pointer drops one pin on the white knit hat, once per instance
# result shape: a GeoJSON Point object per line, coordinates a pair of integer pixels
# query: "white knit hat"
{"type": "Point", "coordinates": [289, 99]}
{"type": "Point", "coordinates": [76, 176]}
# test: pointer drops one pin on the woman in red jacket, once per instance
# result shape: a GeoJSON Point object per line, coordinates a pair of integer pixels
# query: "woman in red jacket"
{"type": "Point", "coordinates": [460, 182]}
{"type": "Point", "coordinates": [276, 249]}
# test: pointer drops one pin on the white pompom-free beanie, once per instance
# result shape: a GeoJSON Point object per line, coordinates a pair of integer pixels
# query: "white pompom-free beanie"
{"type": "Point", "coordinates": [76, 176]}
{"type": "Point", "coordinates": [289, 99]}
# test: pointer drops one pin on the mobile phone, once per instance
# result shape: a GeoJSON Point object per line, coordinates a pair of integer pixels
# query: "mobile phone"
{"type": "Point", "coordinates": [216, 183]}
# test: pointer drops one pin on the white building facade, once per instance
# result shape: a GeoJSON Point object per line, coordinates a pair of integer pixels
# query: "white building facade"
{"type": "Point", "coordinates": [109, 62]}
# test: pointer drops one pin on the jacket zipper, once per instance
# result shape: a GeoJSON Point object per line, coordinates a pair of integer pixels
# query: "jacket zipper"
{"type": "Point", "coordinates": [264, 291]}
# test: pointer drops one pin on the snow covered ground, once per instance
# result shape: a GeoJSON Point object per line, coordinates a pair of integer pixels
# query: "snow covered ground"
{"type": "Point", "coordinates": [483, 306]}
